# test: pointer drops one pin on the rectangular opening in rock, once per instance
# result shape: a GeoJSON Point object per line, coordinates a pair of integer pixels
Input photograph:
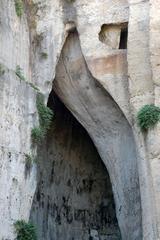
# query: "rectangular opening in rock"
{"type": "Point", "coordinates": [123, 38]}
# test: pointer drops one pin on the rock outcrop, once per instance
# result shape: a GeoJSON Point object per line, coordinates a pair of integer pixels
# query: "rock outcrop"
{"type": "Point", "coordinates": [102, 60]}
{"type": "Point", "coordinates": [71, 176]}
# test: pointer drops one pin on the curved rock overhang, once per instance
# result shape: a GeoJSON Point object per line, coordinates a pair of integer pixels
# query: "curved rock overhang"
{"type": "Point", "coordinates": [74, 198]}
{"type": "Point", "coordinates": [110, 131]}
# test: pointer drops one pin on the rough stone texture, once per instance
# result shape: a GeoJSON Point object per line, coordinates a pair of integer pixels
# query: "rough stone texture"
{"type": "Point", "coordinates": [18, 114]}
{"type": "Point", "coordinates": [107, 127]}
{"type": "Point", "coordinates": [110, 35]}
{"type": "Point", "coordinates": [74, 198]}
{"type": "Point", "coordinates": [131, 77]}
{"type": "Point", "coordinates": [141, 88]}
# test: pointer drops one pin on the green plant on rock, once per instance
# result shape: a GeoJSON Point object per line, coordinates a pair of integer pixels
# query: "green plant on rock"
{"type": "Point", "coordinates": [19, 73]}
{"type": "Point", "coordinates": [45, 119]}
{"type": "Point", "coordinates": [33, 86]}
{"type": "Point", "coordinates": [29, 159]}
{"type": "Point", "coordinates": [148, 116]}
{"type": "Point", "coordinates": [44, 112]}
{"type": "Point", "coordinates": [19, 7]}
{"type": "Point", "coordinates": [25, 231]}
{"type": "Point", "coordinates": [37, 134]}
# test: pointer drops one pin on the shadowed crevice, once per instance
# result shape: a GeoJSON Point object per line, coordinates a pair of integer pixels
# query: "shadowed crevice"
{"type": "Point", "coordinates": [74, 198]}
{"type": "Point", "coordinates": [110, 131]}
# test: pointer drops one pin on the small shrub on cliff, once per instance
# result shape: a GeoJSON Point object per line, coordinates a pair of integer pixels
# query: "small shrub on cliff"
{"type": "Point", "coordinates": [148, 116]}
{"type": "Point", "coordinates": [45, 113]}
{"type": "Point", "coordinates": [45, 119]}
{"type": "Point", "coordinates": [29, 160]}
{"type": "Point", "coordinates": [25, 231]}
{"type": "Point", "coordinates": [37, 135]}
{"type": "Point", "coordinates": [19, 7]}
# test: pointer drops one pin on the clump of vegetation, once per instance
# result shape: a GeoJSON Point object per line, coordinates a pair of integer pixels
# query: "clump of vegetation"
{"type": "Point", "coordinates": [25, 231]}
{"type": "Point", "coordinates": [44, 55]}
{"type": "Point", "coordinates": [19, 73]}
{"type": "Point", "coordinates": [45, 113]}
{"type": "Point", "coordinates": [37, 134]}
{"type": "Point", "coordinates": [148, 116]}
{"type": "Point", "coordinates": [2, 70]}
{"type": "Point", "coordinates": [19, 7]}
{"type": "Point", "coordinates": [45, 119]}
{"type": "Point", "coordinates": [33, 86]}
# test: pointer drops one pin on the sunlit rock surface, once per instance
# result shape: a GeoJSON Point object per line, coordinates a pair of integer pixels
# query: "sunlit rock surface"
{"type": "Point", "coordinates": [103, 77]}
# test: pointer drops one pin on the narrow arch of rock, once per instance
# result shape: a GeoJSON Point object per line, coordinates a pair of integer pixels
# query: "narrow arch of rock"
{"type": "Point", "coordinates": [110, 131]}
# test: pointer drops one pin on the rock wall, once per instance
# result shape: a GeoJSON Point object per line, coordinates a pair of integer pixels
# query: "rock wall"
{"type": "Point", "coordinates": [123, 80]}
{"type": "Point", "coordinates": [18, 114]}
{"type": "Point", "coordinates": [74, 196]}
{"type": "Point", "coordinates": [108, 128]}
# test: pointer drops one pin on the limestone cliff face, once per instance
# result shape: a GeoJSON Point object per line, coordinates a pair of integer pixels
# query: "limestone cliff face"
{"type": "Point", "coordinates": [102, 60]}
{"type": "Point", "coordinates": [107, 127]}
{"type": "Point", "coordinates": [74, 196]}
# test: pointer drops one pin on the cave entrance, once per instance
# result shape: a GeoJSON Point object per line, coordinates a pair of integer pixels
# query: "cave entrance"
{"type": "Point", "coordinates": [74, 199]}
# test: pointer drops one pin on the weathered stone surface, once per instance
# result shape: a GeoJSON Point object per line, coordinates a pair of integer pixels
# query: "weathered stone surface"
{"type": "Point", "coordinates": [130, 76]}
{"type": "Point", "coordinates": [71, 176]}
{"type": "Point", "coordinates": [141, 88]}
{"type": "Point", "coordinates": [108, 128]}
{"type": "Point", "coordinates": [110, 35]}
{"type": "Point", "coordinates": [17, 118]}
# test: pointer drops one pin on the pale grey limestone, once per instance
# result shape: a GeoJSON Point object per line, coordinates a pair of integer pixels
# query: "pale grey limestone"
{"type": "Point", "coordinates": [111, 87]}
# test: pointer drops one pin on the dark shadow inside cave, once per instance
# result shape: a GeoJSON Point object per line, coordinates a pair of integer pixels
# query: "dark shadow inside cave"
{"type": "Point", "coordinates": [74, 199]}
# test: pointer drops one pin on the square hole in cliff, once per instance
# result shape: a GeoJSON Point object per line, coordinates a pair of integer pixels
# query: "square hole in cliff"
{"type": "Point", "coordinates": [114, 35]}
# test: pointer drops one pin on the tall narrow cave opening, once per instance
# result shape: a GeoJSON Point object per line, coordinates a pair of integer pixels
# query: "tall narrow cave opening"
{"type": "Point", "coordinates": [74, 199]}
{"type": "Point", "coordinates": [123, 37]}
